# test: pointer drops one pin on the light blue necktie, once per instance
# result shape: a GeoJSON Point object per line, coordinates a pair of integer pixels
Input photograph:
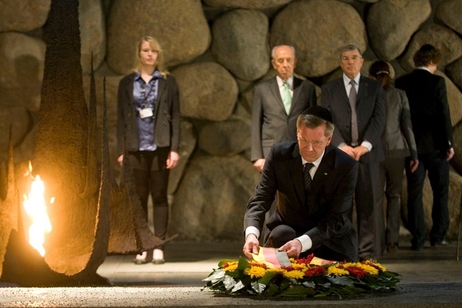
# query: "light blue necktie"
{"type": "Point", "coordinates": [286, 97]}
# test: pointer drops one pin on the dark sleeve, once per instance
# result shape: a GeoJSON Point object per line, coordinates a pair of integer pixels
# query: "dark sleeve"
{"type": "Point", "coordinates": [264, 195]}
{"type": "Point", "coordinates": [256, 146]}
{"type": "Point", "coordinates": [442, 100]}
{"type": "Point", "coordinates": [121, 118]}
{"type": "Point", "coordinates": [327, 101]}
{"type": "Point", "coordinates": [406, 124]}
{"type": "Point", "coordinates": [175, 113]}
{"type": "Point", "coordinates": [377, 123]}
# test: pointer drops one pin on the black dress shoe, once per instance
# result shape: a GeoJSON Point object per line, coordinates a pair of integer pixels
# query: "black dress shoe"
{"type": "Point", "coordinates": [416, 248]}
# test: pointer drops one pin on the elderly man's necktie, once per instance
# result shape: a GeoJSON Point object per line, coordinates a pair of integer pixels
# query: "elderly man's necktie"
{"type": "Point", "coordinates": [286, 97]}
{"type": "Point", "coordinates": [354, 118]}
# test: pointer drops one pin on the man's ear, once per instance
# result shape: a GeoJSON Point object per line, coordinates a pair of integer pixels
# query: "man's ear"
{"type": "Point", "coordinates": [329, 139]}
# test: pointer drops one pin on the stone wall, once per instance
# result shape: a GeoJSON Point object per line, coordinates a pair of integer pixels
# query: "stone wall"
{"type": "Point", "coordinates": [217, 50]}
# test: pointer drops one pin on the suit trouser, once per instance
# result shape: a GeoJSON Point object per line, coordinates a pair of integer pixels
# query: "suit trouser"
{"type": "Point", "coordinates": [391, 173]}
{"type": "Point", "coordinates": [151, 177]}
{"type": "Point", "coordinates": [365, 200]}
{"type": "Point", "coordinates": [438, 174]}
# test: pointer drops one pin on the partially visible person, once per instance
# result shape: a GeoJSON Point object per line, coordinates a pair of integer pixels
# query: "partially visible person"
{"type": "Point", "coordinates": [314, 183]}
{"type": "Point", "coordinates": [277, 102]}
{"type": "Point", "coordinates": [398, 143]}
{"type": "Point", "coordinates": [358, 110]}
{"type": "Point", "coordinates": [432, 128]}
{"type": "Point", "coordinates": [148, 128]}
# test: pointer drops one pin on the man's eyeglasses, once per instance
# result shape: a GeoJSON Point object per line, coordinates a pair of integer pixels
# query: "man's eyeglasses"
{"type": "Point", "coordinates": [313, 143]}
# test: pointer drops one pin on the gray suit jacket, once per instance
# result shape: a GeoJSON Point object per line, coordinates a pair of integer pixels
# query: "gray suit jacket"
{"type": "Point", "coordinates": [270, 123]}
{"type": "Point", "coordinates": [370, 110]}
{"type": "Point", "coordinates": [398, 138]}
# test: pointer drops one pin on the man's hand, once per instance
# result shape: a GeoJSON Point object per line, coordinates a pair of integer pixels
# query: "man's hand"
{"type": "Point", "coordinates": [449, 154]}
{"type": "Point", "coordinates": [259, 163]}
{"type": "Point", "coordinates": [251, 245]}
{"type": "Point", "coordinates": [413, 164]}
{"type": "Point", "coordinates": [293, 248]}
{"type": "Point", "coordinates": [359, 151]}
{"type": "Point", "coordinates": [120, 159]}
{"type": "Point", "coordinates": [349, 150]}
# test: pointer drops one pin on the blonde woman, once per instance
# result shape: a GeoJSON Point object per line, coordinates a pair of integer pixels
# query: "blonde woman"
{"type": "Point", "coordinates": [148, 128]}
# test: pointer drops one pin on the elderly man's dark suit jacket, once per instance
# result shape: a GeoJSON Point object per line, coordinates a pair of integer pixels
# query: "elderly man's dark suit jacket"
{"type": "Point", "coordinates": [325, 218]}
{"type": "Point", "coordinates": [270, 123]}
{"type": "Point", "coordinates": [370, 110]}
{"type": "Point", "coordinates": [371, 117]}
{"type": "Point", "coordinates": [167, 115]}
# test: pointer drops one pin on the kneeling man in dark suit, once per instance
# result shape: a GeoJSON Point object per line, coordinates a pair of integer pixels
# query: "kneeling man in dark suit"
{"type": "Point", "coordinates": [314, 183]}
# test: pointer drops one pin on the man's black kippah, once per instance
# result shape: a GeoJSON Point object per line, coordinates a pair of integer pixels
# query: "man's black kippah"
{"type": "Point", "coordinates": [319, 112]}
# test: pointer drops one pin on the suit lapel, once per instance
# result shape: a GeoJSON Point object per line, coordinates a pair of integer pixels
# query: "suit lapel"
{"type": "Point", "coordinates": [363, 88]}
{"type": "Point", "coordinates": [323, 171]}
{"type": "Point", "coordinates": [161, 86]}
{"type": "Point", "coordinates": [129, 88]}
{"type": "Point", "coordinates": [297, 90]}
{"type": "Point", "coordinates": [343, 94]}
{"type": "Point", "coordinates": [274, 88]}
{"type": "Point", "coordinates": [296, 174]}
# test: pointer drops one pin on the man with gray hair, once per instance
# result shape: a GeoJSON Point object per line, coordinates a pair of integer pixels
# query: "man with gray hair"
{"type": "Point", "coordinates": [277, 102]}
{"type": "Point", "coordinates": [358, 111]}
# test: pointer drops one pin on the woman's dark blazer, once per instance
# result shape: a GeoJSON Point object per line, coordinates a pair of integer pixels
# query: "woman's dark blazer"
{"type": "Point", "coordinates": [166, 113]}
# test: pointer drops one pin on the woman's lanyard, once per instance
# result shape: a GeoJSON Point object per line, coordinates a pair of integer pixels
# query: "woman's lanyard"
{"type": "Point", "coordinates": [146, 111]}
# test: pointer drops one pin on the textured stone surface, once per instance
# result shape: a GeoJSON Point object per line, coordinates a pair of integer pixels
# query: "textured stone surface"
{"type": "Point", "coordinates": [318, 29]}
{"type": "Point", "coordinates": [23, 15]}
{"type": "Point", "coordinates": [391, 23]}
{"type": "Point", "coordinates": [179, 26]}
{"type": "Point", "coordinates": [239, 33]}
{"type": "Point", "coordinates": [456, 161]}
{"type": "Point", "coordinates": [454, 99]}
{"type": "Point", "coordinates": [225, 138]}
{"type": "Point", "coordinates": [454, 71]}
{"type": "Point", "coordinates": [212, 197]}
{"type": "Point", "coordinates": [442, 38]}
{"type": "Point", "coordinates": [449, 12]}
{"type": "Point", "coordinates": [207, 91]}
{"type": "Point", "coordinates": [188, 142]}
{"type": "Point", "coordinates": [92, 34]}
{"type": "Point", "coordinates": [21, 75]}
{"type": "Point", "coordinates": [23, 126]}
{"type": "Point", "coordinates": [245, 4]}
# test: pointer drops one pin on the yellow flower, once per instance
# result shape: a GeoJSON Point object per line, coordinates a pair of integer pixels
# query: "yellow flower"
{"type": "Point", "coordinates": [232, 266]}
{"type": "Point", "coordinates": [294, 274]}
{"type": "Point", "coordinates": [334, 270]}
{"type": "Point", "coordinates": [255, 272]}
{"type": "Point", "coordinates": [300, 267]}
{"type": "Point", "coordinates": [369, 269]}
{"type": "Point", "coordinates": [275, 270]}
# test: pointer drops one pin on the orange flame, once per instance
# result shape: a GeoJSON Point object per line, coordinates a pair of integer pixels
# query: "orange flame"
{"type": "Point", "coordinates": [35, 207]}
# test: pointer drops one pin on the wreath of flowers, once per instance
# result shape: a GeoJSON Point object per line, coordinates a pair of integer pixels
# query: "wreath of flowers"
{"type": "Point", "coordinates": [301, 278]}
